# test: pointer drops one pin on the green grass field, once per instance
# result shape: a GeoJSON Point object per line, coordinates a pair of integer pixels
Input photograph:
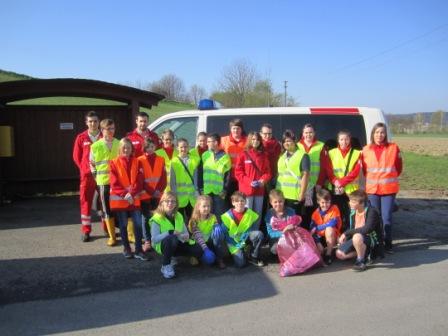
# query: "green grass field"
{"type": "Point", "coordinates": [424, 172]}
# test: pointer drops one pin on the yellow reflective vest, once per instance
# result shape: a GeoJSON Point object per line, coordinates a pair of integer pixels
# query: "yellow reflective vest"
{"type": "Point", "coordinates": [238, 233]}
{"type": "Point", "coordinates": [102, 156]}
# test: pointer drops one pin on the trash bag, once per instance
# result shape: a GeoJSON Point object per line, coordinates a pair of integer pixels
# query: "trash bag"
{"type": "Point", "coordinates": [297, 252]}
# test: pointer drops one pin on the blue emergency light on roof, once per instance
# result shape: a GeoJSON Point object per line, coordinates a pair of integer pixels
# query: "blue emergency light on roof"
{"type": "Point", "coordinates": [208, 104]}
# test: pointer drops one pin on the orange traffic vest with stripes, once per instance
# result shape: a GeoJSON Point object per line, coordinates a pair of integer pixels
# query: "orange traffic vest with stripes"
{"type": "Point", "coordinates": [151, 175]}
{"type": "Point", "coordinates": [117, 202]}
{"type": "Point", "coordinates": [333, 212]}
{"type": "Point", "coordinates": [381, 175]}
{"type": "Point", "coordinates": [232, 148]}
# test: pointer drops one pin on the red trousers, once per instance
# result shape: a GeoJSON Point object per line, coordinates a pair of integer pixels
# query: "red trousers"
{"type": "Point", "coordinates": [87, 189]}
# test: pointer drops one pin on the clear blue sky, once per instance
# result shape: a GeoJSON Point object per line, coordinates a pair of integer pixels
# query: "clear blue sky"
{"type": "Point", "coordinates": [387, 54]}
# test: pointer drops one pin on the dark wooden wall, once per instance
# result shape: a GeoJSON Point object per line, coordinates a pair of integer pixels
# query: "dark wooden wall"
{"type": "Point", "coordinates": [43, 152]}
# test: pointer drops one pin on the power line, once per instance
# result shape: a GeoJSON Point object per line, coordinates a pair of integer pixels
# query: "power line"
{"type": "Point", "coordinates": [400, 45]}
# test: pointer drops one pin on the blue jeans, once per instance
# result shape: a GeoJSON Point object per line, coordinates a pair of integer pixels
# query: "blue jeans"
{"type": "Point", "coordinates": [147, 208]}
{"type": "Point", "coordinates": [217, 246]}
{"type": "Point", "coordinates": [255, 238]}
{"type": "Point", "coordinates": [256, 204]}
{"type": "Point", "coordinates": [122, 217]}
{"type": "Point", "coordinates": [385, 206]}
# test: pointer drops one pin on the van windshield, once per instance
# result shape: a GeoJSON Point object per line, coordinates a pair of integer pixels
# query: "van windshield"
{"type": "Point", "coordinates": [326, 126]}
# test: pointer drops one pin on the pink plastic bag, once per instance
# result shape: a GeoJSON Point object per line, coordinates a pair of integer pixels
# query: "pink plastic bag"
{"type": "Point", "coordinates": [297, 252]}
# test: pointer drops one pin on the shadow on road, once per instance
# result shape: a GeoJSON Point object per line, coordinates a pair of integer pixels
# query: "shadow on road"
{"type": "Point", "coordinates": [40, 212]}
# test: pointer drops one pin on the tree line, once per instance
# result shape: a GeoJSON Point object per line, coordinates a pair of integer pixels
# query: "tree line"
{"type": "Point", "coordinates": [240, 85]}
{"type": "Point", "coordinates": [429, 122]}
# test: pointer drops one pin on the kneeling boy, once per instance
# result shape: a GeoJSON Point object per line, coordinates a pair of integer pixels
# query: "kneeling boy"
{"type": "Point", "coordinates": [238, 226]}
{"type": "Point", "coordinates": [363, 232]}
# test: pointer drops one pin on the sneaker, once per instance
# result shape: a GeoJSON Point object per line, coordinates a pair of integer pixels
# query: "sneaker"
{"type": "Point", "coordinates": [147, 246]}
{"type": "Point", "coordinates": [167, 271]}
{"type": "Point", "coordinates": [359, 266]}
{"type": "Point", "coordinates": [85, 237]}
{"type": "Point", "coordinates": [328, 260]}
{"type": "Point", "coordinates": [174, 261]}
{"type": "Point", "coordinates": [255, 261]}
{"type": "Point", "coordinates": [141, 256]}
{"type": "Point", "coordinates": [128, 253]}
{"type": "Point", "coordinates": [368, 261]}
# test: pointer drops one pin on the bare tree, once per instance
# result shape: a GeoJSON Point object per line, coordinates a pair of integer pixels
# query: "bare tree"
{"type": "Point", "coordinates": [171, 86]}
{"type": "Point", "coordinates": [238, 80]}
{"type": "Point", "coordinates": [196, 94]}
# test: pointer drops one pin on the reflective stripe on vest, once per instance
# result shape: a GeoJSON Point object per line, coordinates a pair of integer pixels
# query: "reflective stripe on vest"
{"type": "Point", "coordinates": [214, 171]}
{"type": "Point", "coordinates": [185, 189]}
{"type": "Point", "coordinates": [151, 175]}
{"type": "Point", "coordinates": [206, 227]}
{"type": "Point", "coordinates": [339, 163]}
{"type": "Point", "coordinates": [314, 155]}
{"type": "Point", "coordinates": [102, 155]}
{"type": "Point", "coordinates": [381, 175]}
{"type": "Point", "coordinates": [237, 233]}
{"type": "Point", "coordinates": [288, 183]}
{"type": "Point", "coordinates": [166, 225]}
{"type": "Point", "coordinates": [117, 202]}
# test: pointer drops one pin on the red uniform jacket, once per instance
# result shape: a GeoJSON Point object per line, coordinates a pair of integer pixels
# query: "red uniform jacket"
{"type": "Point", "coordinates": [138, 140]}
{"type": "Point", "coordinates": [273, 149]}
{"type": "Point", "coordinates": [81, 152]}
{"type": "Point", "coordinates": [245, 171]}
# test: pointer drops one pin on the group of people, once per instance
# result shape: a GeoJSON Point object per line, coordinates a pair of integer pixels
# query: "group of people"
{"type": "Point", "coordinates": [229, 194]}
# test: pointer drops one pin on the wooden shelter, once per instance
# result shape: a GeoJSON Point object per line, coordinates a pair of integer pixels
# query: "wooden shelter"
{"type": "Point", "coordinates": [37, 140]}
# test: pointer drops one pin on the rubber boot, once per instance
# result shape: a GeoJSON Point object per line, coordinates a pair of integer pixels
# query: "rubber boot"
{"type": "Point", "coordinates": [110, 223]}
{"type": "Point", "coordinates": [131, 235]}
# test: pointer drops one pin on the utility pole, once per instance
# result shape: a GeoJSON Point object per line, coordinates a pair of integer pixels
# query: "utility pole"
{"type": "Point", "coordinates": [286, 86]}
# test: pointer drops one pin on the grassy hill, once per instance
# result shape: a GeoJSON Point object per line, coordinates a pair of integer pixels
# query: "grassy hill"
{"type": "Point", "coordinates": [6, 76]}
{"type": "Point", "coordinates": [163, 107]}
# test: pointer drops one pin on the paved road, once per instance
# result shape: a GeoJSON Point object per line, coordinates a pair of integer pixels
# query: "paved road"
{"type": "Point", "coordinates": [52, 283]}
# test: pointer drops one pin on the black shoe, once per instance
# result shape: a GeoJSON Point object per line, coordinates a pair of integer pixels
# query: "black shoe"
{"type": "Point", "coordinates": [255, 261]}
{"type": "Point", "coordinates": [328, 260]}
{"type": "Point", "coordinates": [141, 256]}
{"type": "Point", "coordinates": [128, 253]}
{"type": "Point", "coordinates": [359, 266]}
{"type": "Point", "coordinates": [85, 237]}
{"type": "Point", "coordinates": [388, 247]}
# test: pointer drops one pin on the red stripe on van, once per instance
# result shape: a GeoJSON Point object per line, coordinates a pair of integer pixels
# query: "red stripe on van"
{"type": "Point", "coordinates": [334, 110]}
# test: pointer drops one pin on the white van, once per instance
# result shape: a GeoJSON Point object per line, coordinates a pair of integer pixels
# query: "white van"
{"type": "Point", "coordinates": [327, 121]}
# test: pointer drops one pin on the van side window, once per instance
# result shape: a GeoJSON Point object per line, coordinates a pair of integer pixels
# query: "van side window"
{"type": "Point", "coordinates": [220, 124]}
{"type": "Point", "coordinates": [182, 127]}
{"type": "Point", "coordinates": [327, 126]}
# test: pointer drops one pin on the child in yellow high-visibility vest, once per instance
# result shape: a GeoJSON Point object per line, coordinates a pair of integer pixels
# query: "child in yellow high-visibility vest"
{"type": "Point", "coordinates": [238, 223]}
{"type": "Point", "coordinates": [207, 232]}
{"type": "Point", "coordinates": [183, 178]}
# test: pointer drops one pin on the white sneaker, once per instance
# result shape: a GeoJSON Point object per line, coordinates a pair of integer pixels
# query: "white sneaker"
{"type": "Point", "coordinates": [167, 271]}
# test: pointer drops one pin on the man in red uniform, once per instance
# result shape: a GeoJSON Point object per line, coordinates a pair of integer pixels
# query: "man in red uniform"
{"type": "Point", "coordinates": [87, 187]}
{"type": "Point", "coordinates": [142, 132]}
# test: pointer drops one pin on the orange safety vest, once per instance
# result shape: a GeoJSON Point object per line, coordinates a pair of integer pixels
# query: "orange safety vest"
{"type": "Point", "coordinates": [232, 148]}
{"type": "Point", "coordinates": [152, 175]}
{"type": "Point", "coordinates": [333, 212]}
{"type": "Point", "coordinates": [117, 202]}
{"type": "Point", "coordinates": [381, 175]}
